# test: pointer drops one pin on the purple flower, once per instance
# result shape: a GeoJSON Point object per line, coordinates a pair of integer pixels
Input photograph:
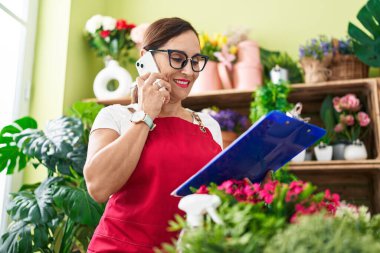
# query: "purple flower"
{"type": "Point", "coordinates": [230, 120]}
{"type": "Point", "coordinates": [302, 52]}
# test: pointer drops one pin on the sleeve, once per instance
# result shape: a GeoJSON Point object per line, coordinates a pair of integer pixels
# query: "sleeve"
{"type": "Point", "coordinates": [214, 128]}
{"type": "Point", "coordinates": [106, 119]}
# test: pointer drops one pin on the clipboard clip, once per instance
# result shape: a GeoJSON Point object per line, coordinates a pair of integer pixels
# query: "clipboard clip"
{"type": "Point", "coordinates": [296, 113]}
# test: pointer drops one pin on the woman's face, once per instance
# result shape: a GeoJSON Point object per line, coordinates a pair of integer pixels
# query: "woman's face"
{"type": "Point", "coordinates": [181, 80]}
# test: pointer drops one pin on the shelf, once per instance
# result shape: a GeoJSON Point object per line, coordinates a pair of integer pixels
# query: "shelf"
{"type": "Point", "coordinates": [337, 165]}
{"type": "Point", "coordinates": [356, 181]}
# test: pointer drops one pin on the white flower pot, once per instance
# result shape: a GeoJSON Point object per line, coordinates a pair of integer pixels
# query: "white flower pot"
{"type": "Point", "coordinates": [112, 71]}
{"type": "Point", "coordinates": [300, 157]}
{"type": "Point", "coordinates": [323, 152]}
{"type": "Point", "coordinates": [355, 151]}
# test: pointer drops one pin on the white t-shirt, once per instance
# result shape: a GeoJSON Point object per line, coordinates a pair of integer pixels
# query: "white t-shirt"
{"type": "Point", "coordinates": [117, 117]}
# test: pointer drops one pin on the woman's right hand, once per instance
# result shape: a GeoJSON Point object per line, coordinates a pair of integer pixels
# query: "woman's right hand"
{"type": "Point", "coordinates": [153, 93]}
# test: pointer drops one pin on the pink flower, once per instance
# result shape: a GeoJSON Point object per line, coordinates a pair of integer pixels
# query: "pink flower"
{"type": "Point", "coordinates": [350, 102]}
{"type": "Point", "coordinates": [105, 34]}
{"type": "Point", "coordinates": [225, 57]}
{"type": "Point", "coordinates": [137, 34]}
{"type": "Point", "coordinates": [363, 118]}
{"type": "Point", "coordinates": [339, 128]}
{"type": "Point", "coordinates": [267, 193]}
{"type": "Point", "coordinates": [295, 188]}
{"type": "Point", "coordinates": [202, 190]}
{"type": "Point", "coordinates": [350, 120]}
{"type": "Point", "coordinates": [336, 103]}
{"type": "Point", "coordinates": [251, 190]}
{"type": "Point", "coordinates": [227, 186]}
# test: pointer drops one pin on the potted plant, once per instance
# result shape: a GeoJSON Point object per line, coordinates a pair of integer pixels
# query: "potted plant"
{"type": "Point", "coordinates": [58, 214]}
{"type": "Point", "coordinates": [352, 125]}
{"type": "Point", "coordinates": [269, 97]}
{"type": "Point", "coordinates": [344, 64]}
{"type": "Point", "coordinates": [272, 59]}
{"type": "Point", "coordinates": [323, 151]}
{"type": "Point", "coordinates": [355, 231]}
{"type": "Point", "coordinates": [315, 57]}
{"type": "Point", "coordinates": [231, 123]}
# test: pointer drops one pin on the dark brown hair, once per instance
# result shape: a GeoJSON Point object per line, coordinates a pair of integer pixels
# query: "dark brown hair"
{"type": "Point", "coordinates": [159, 33]}
{"type": "Point", "coordinates": [164, 30]}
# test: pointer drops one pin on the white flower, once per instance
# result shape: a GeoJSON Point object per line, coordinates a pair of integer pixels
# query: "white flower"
{"type": "Point", "coordinates": [94, 23]}
{"type": "Point", "coordinates": [108, 23]}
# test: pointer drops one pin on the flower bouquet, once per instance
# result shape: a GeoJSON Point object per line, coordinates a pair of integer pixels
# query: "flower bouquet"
{"type": "Point", "coordinates": [109, 37]}
{"type": "Point", "coordinates": [352, 121]}
{"type": "Point", "coordinates": [231, 123]}
{"type": "Point", "coordinates": [315, 57]}
{"type": "Point", "coordinates": [352, 125]}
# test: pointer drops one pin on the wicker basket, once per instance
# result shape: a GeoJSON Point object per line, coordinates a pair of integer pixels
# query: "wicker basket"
{"type": "Point", "coordinates": [345, 67]}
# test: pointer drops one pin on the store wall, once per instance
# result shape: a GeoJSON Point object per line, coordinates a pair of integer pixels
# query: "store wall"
{"type": "Point", "coordinates": [274, 24]}
{"type": "Point", "coordinates": [65, 67]}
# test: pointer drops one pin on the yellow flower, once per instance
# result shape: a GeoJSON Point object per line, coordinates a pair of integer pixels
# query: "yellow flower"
{"type": "Point", "coordinates": [201, 41]}
{"type": "Point", "coordinates": [214, 40]}
{"type": "Point", "coordinates": [233, 50]}
{"type": "Point", "coordinates": [222, 40]}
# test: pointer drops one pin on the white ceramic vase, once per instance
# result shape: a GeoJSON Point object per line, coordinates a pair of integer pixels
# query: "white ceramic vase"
{"type": "Point", "coordinates": [355, 151]}
{"type": "Point", "coordinates": [300, 157]}
{"type": "Point", "coordinates": [112, 71]}
{"type": "Point", "coordinates": [323, 152]}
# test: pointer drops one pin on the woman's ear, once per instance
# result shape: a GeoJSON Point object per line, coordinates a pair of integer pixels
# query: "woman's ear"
{"type": "Point", "coordinates": [142, 52]}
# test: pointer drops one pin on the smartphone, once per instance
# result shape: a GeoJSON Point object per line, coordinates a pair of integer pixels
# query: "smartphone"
{"type": "Point", "coordinates": [146, 64]}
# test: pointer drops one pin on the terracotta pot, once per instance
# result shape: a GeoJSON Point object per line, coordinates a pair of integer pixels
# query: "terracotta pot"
{"type": "Point", "coordinates": [208, 79]}
{"type": "Point", "coordinates": [225, 76]}
{"type": "Point", "coordinates": [249, 53]}
{"type": "Point", "coordinates": [228, 137]}
{"type": "Point", "coordinates": [247, 77]}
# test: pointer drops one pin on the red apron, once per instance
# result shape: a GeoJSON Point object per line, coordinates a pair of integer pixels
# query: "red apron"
{"type": "Point", "coordinates": [136, 217]}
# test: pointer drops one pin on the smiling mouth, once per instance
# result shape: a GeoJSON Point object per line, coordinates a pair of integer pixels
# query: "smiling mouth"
{"type": "Point", "coordinates": [183, 83]}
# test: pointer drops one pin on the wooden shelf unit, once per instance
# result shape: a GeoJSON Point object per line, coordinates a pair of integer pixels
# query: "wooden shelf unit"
{"type": "Point", "coordinates": [357, 181]}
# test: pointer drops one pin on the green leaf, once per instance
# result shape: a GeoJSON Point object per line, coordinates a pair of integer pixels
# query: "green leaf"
{"type": "Point", "coordinates": [367, 43]}
{"type": "Point", "coordinates": [59, 147]}
{"type": "Point", "coordinates": [25, 237]}
{"type": "Point", "coordinates": [78, 205]}
{"type": "Point", "coordinates": [34, 207]}
{"type": "Point", "coordinates": [11, 156]}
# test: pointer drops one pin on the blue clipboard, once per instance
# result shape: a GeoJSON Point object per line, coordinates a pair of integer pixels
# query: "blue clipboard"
{"type": "Point", "coordinates": [267, 145]}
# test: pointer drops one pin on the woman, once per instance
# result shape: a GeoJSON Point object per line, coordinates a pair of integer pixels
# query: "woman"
{"type": "Point", "coordinates": [138, 154]}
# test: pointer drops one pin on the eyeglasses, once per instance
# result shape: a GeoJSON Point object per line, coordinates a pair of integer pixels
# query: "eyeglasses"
{"type": "Point", "coordinates": [179, 59]}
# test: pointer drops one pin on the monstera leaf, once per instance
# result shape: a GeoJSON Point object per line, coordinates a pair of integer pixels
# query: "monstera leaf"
{"type": "Point", "coordinates": [59, 147]}
{"type": "Point", "coordinates": [78, 205]}
{"type": "Point", "coordinates": [367, 43]}
{"type": "Point", "coordinates": [11, 156]}
{"type": "Point", "coordinates": [35, 206]}
{"type": "Point", "coordinates": [34, 217]}
{"type": "Point", "coordinates": [25, 237]}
